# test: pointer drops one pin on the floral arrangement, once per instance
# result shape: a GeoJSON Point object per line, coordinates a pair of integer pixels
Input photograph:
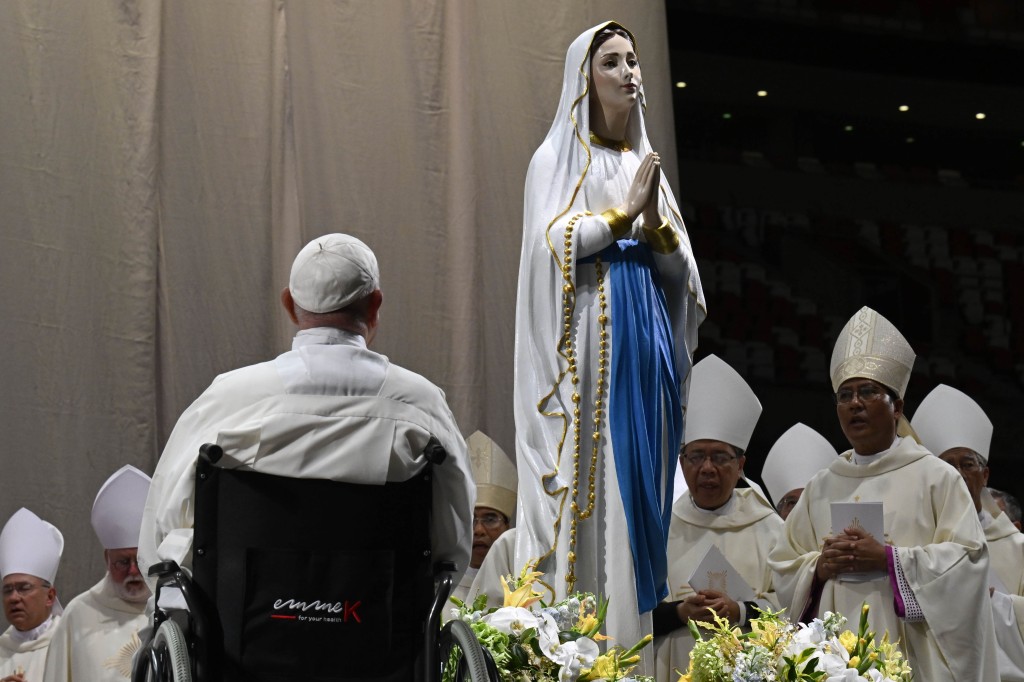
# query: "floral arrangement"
{"type": "Point", "coordinates": [775, 650]}
{"type": "Point", "coordinates": [534, 642]}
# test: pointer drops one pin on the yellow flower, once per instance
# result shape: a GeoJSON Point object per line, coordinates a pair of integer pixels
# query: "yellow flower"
{"type": "Point", "coordinates": [854, 661]}
{"type": "Point", "coordinates": [605, 666]}
{"type": "Point", "coordinates": [587, 624]}
{"type": "Point", "coordinates": [848, 640]}
{"type": "Point", "coordinates": [521, 596]}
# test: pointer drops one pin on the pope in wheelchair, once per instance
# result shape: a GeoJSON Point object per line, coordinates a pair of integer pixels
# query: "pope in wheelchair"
{"type": "Point", "coordinates": [317, 535]}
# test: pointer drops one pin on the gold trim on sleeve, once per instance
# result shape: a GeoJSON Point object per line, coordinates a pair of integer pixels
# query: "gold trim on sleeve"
{"type": "Point", "coordinates": [662, 239]}
{"type": "Point", "coordinates": [618, 221]}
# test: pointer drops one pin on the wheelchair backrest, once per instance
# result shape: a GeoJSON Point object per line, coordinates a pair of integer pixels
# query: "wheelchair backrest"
{"type": "Point", "coordinates": [313, 579]}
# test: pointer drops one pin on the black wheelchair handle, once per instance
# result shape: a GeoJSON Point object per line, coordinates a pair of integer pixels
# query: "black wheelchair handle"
{"type": "Point", "coordinates": [211, 451]}
{"type": "Point", "coordinates": [435, 452]}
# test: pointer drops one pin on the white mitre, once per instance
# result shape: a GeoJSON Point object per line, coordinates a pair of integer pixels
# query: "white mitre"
{"type": "Point", "coordinates": [496, 479]}
{"type": "Point", "coordinates": [797, 455]}
{"type": "Point", "coordinates": [31, 546]}
{"type": "Point", "coordinates": [870, 347]}
{"type": "Point", "coordinates": [721, 405]}
{"type": "Point", "coordinates": [117, 510]}
{"type": "Point", "coordinates": [948, 418]}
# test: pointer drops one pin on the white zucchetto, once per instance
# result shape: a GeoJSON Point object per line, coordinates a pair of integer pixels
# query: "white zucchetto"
{"type": "Point", "coordinates": [31, 546]}
{"type": "Point", "coordinates": [797, 455]}
{"type": "Point", "coordinates": [870, 347]}
{"type": "Point", "coordinates": [721, 405]}
{"type": "Point", "coordinates": [117, 510]}
{"type": "Point", "coordinates": [948, 418]}
{"type": "Point", "coordinates": [496, 478]}
{"type": "Point", "coordinates": [332, 272]}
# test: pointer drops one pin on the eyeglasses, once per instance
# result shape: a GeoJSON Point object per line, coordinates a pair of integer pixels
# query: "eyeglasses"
{"type": "Point", "coordinates": [967, 465]}
{"type": "Point", "coordinates": [489, 521]}
{"type": "Point", "coordinates": [125, 564]}
{"type": "Point", "coordinates": [696, 458]}
{"type": "Point", "coordinates": [867, 393]}
{"type": "Point", "coordinates": [22, 588]}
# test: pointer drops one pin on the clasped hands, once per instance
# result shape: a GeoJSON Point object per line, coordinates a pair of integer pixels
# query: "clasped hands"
{"type": "Point", "coordinates": [642, 197]}
{"type": "Point", "coordinates": [852, 551]}
{"type": "Point", "coordinates": [696, 605]}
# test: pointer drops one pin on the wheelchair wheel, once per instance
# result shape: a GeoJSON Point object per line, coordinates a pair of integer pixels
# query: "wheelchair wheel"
{"type": "Point", "coordinates": [475, 664]}
{"type": "Point", "coordinates": [170, 655]}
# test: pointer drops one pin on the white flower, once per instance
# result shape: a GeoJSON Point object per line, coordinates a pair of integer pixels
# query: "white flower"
{"type": "Point", "coordinates": [571, 656]}
{"type": "Point", "coordinates": [846, 675]}
{"type": "Point", "coordinates": [512, 620]}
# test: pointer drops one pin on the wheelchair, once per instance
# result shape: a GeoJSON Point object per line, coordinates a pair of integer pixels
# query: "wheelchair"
{"type": "Point", "coordinates": [278, 595]}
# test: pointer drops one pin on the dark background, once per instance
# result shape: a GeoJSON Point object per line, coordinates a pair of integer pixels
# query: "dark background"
{"type": "Point", "coordinates": [822, 196]}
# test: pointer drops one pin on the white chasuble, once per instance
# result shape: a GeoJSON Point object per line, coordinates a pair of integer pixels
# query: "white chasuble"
{"type": "Point", "coordinates": [29, 657]}
{"type": "Point", "coordinates": [96, 637]}
{"type": "Point", "coordinates": [932, 526]}
{"type": "Point", "coordinates": [744, 535]}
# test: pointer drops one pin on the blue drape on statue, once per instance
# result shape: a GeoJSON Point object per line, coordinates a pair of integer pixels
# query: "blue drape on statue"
{"type": "Point", "coordinates": [643, 398]}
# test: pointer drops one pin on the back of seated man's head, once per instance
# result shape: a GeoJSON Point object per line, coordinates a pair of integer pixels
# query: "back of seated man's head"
{"type": "Point", "coordinates": [334, 282]}
{"type": "Point", "coordinates": [30, 551]}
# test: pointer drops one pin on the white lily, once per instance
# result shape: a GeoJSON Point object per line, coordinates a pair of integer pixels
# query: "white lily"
{"type": "Point", "coordinates": [512, 620]}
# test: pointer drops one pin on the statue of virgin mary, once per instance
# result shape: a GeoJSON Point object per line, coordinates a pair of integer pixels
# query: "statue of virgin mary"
{"type": "Point", "coordinates": [609, 302]}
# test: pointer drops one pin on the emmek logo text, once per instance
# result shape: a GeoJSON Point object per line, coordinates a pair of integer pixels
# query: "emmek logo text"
{"type": "Point", "coordinates": [317, 610]}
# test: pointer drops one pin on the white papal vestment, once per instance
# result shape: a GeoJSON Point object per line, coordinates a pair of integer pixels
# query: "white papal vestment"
{"type": "Point", "coordinates": [330, 408]}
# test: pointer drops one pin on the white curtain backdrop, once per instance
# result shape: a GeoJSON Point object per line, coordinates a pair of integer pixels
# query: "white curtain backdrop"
{"type": "Point", "coordinates": [161, 162]}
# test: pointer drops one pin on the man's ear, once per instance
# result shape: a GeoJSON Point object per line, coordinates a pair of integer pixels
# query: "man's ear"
{"type": "Point", "coordinates": [897, 408]}
{"type": "Point", "coordinates": [289, 304]}
{"type": "Point", "coordinates": [373, 307]}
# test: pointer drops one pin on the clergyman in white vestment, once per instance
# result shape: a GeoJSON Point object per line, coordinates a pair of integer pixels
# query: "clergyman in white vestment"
{"type": "Point", "coordinates": [30, 551]}
{"type": "Point", "coordinates": [98, 634]}
{"type": "Point", "coordinates": [932, 563]}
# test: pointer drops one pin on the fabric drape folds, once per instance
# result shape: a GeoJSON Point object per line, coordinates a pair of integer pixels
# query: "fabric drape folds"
{"type": "Point", "coordinates": [162, 161]}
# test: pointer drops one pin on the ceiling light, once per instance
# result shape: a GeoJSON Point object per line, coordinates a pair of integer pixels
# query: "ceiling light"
{"type": "Point", "coordinates": [680, 84]}
{"type": "Point", "coordinates": [848, 129]}
{"type": "Point", "coordinates": [726, 115]}
{"type": "Point", "coordinates": [762, 93]}
{"type": "Point", "coordinates": [904, 107]}
{"type": "Point", "coordinates": [979, 116]}
{"type": "Point", "coordinates": [910, 140]}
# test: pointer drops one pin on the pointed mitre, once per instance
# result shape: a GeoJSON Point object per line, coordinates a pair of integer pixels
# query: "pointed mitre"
{"type": "Point", "coordinates": [797, 455]}
{"type": "Point", "coordinates": [117, 510]}
{"type": "Point", "coordinates": [721, 405]}
{"type": "Point", "coordinates": [31, 546]}
{"type": "Point", "coordinates": [496, 479]}
{"type": "Point", "coordinates": [870, 347]}
{"type": "Point", "coordinates": [948, 418]}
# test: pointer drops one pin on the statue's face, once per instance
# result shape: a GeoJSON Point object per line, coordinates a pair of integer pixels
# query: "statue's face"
{"type": "Point", "coordinates": [615, 71]}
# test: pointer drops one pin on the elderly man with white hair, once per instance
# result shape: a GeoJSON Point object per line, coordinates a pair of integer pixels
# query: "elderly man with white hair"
{"type": "Point", "coordinates": [925, 578]}
{"type": "Point", "coordinates": [955, 428]}
{"type": "Point", "coordinates": [97, 635]}
{"type": "Point", "coordinates": [30, 551]}
{"type": "Point", "coordinates": [329, 408]}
